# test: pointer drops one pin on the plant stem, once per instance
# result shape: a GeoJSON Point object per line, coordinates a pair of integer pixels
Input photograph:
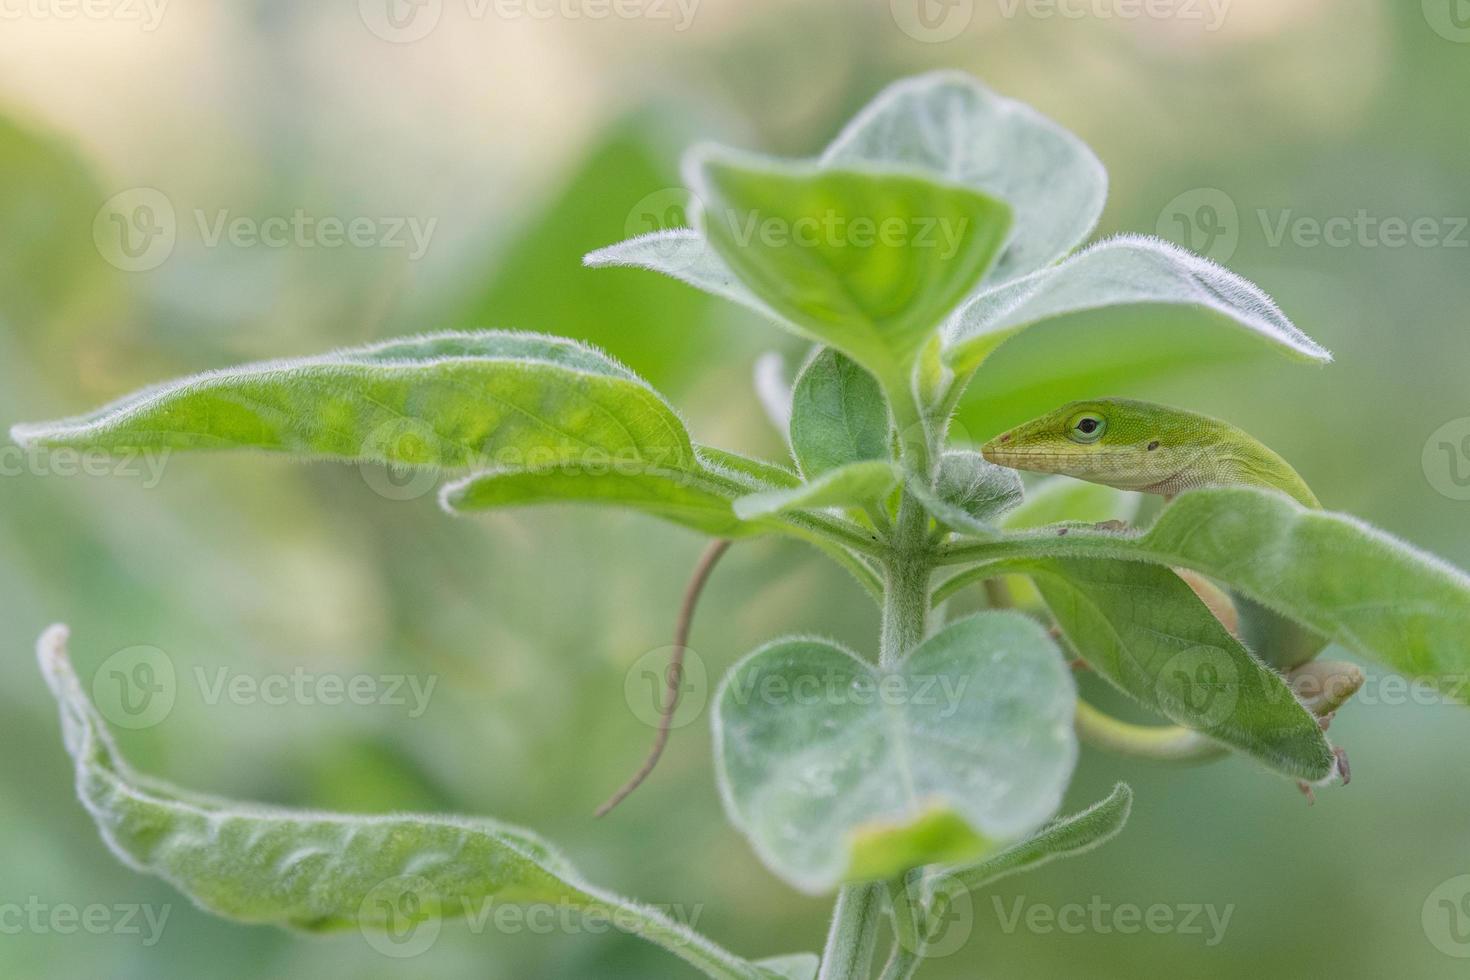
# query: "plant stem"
{"type": "Point", "coordinates": [853, 935]}
{"type": "Point", "coordinates": [908, 568]}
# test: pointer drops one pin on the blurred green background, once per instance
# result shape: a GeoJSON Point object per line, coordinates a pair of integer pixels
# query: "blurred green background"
{"type": "Point", "coordinates": [527, 140]}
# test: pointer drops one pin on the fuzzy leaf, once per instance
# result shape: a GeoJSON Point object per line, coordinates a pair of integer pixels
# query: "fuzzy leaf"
{"type": "Point", "coordinates": [681, 497]}
{"type": "Point", "coordinates": [754, 473]}
{"type": "Point", "coordinates": [970, 493]}
{"type": "Point", "coordinates": [838, 415]}
{"type": "Point", "coordinates": [682, 254]}
{"type": "Point", "coordinates": [853, 485]}
{"type": "Point", "coordinates": [1124, 309]}
{"type": "Point", "coordinates": [1341, 578]}
{"type": "Point", "coordinates": [1062, 838]}
{"type": "Point", "coordinates": [1143, 629]}
{"type": "Point", "coordinates": [867, 263]}
{"type": "Point", "coordinates": [838, 771]}
{"type": "Point", "coordinates": [447, 401]}
{"type": "Point", "coordinates": [326, 871]}
{"type": "Point", "coordinates": [950, 125]}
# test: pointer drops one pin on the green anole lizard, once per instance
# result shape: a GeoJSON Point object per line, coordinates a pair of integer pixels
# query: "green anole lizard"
{"type": "Point", "coordinates": [1134, 445]}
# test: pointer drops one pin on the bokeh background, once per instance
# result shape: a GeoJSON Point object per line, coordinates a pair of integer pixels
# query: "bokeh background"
{"type": "Point", "coordinates": [517, 143]}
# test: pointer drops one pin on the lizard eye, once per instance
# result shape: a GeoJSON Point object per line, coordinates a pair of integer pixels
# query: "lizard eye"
{"type": "Point", "coordinates": [1086, 427]}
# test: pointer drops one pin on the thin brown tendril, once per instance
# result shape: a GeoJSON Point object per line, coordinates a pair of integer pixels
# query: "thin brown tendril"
{"type": "Point", "coordinates": [707, 562]}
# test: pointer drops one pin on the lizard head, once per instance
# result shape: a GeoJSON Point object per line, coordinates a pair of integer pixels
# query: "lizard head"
{"type": "Point", "coordinates": [1117, 442]}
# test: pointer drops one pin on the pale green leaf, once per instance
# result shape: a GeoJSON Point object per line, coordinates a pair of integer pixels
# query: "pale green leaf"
{"type": "Point", "coordinates": [853, 485]}
{"type": "Point", "coordinates": [753, 473]}
{"type": "Point", "coordinates": [1122, 310]}
{"type": "Point", "coordinates": [1141, 627]}
{"type": "Point", "coordinates": [1062, 838]}
{"type": "Point", "coordinates": [867, 263]}
{"type": "Point", "coordinates": [838, 771]}
{"type": "Point", "coordinates": [1345, 580]}
{"type": "Point", "coordinates": [450, 401]}
{"type": "Point", "coordinates": [682, 254]}
{"type": "Point", "coordinates": [951, 125]}
{"type": "Point", "coordinates": [683, 497]}
{"type": "Point", "coordinates": [794, 966]}
{"type": "Point", "coordinates": [326, 871]}
{"type": "Point", "coordinates": [838, 415]}
{"type": "Point", "coordinates": [970, 493]}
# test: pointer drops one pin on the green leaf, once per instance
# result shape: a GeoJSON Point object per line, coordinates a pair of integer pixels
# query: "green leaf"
{"type": "Point", "coordinates": [867, 263]}
{"type": "Point", "coordinates": [457, 400]}
{"type": "Point", "coordinates": [1143, 629]}
{"type": "Point", "coordinates": [682, 497]}
{"type": "Point", "coordinates": [1060, 498]}
{"type": "Point", "coordinates": [1120, 311]}
{"type": "Point", "coordinates": [1365, 589]}
{"type": "Point", "coordinates": [839, 771]}
{"type": "Point", "coordinates": [1062, 838]}
{"type": "Point", "coordinates": [853, 485]}
{"type": "Point", "coordinates": [754, 473]}
{"type": "Point", "coordinates": [969, 493]}
{"type": "Point", "coordinates": [326, 871]}
{"type": "Point", "coordinates": [838, 415]}
{"type": "Point", "coordinates": [950, 125]}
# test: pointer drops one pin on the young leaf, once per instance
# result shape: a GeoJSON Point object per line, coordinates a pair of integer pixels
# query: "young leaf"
{"type": "Point", "coordinates": [756, 474]}
{"type": "Point", "coordinates": [838, 415]}
{"type": "Point", "coordinates": [865, 262]}
{"type": "Point", "coordinates": [1365, 589]}
{"type": "Point", "coordinates": [681, 497]}
{"type": "Point", "coordinates": [1062, 838]}
{"type": "Point", "coordinates": [1144, 630]}
{"type": "Point", "coordinates": [682, 254]}
{"type": "Point", "coordinates": [326, 871]}
{"type": "Point", "coordinates": [950, 125]}
{"type": "Point", "coordinates": [449, 401]}
{"type": "Point", "coordinates": [970, 493]}
{"type": "Point", "coordinates": [853, 485]}
{"type": "Point", "coordinates": [1059, 498]}
{"type": "Point", "coordinates": [838, 771]}
{"type": "Point", "coordinates": [1129, 271]}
